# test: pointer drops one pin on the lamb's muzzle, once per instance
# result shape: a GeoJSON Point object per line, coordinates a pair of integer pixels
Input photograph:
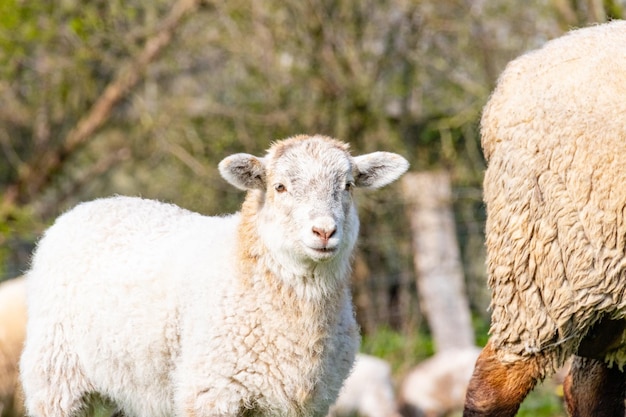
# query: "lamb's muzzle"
{"type": "Point", "coordinates": [324, 239]}
{"type": "Point", "coordinates": [324, 233]}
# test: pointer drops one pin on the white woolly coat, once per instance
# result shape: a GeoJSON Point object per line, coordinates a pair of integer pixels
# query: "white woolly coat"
{"type": "Point", "coordinates": [554, 134]}
{"type": "Point", "coordinates": [182, 319]}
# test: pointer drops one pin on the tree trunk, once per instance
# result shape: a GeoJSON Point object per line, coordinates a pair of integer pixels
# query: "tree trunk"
{"type": "Point", "coordinates": [440, 281]}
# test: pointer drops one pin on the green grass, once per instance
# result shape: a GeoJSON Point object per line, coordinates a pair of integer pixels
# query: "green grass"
{"type": "Point", "coordinates": [401, 350]}
{"type": "Point", "coordinates": [543, 401]}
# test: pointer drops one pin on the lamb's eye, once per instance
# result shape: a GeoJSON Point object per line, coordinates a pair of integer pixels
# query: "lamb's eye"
{"type": "Point", "coordinates": [280, 188]}
{"type": "Point", "coordinates": [349, 185]}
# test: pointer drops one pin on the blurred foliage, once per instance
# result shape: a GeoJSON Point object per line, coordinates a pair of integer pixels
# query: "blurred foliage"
{"type": "Point", "coordinates": [17, 236]}
{"type": "Point", "coordinates": [401, 349]}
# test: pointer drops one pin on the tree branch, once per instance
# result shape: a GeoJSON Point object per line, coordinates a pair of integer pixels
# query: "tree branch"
{"type": "Point", "coordinates": [39, 172]}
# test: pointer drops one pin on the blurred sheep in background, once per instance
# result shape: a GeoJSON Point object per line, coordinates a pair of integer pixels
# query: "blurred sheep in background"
{"type": "Point", "coordinates": [437, 386]}
{"type": "Point", "coordinates": [368, 391]}
{"type": "Point", "coordinates": [12, 333]}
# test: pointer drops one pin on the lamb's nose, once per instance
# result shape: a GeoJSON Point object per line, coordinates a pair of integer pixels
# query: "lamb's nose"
{"type": "Point", "coordinates": [324, 233]}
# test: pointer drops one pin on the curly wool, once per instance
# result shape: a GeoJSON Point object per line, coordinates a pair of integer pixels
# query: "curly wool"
{"type": "Point", "coordinates": [554, 134]}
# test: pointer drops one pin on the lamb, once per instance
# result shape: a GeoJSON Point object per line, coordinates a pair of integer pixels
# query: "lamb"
{"type": "Point", "coordinates": [12, 333]}
{"type": "Point", "coordinates": [554, 135]}
{"type": "Point", "coordinates": [164, 312]}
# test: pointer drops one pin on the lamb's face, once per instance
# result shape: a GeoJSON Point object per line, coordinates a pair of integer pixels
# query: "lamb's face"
{"type": "Point", "coordinates": [307, 212]}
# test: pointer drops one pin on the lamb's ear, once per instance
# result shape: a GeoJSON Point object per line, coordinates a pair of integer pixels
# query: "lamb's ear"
{"type": "Point", "coordinates": [244, 171]}
{"type": "Point", "coordinates": [378, 169]}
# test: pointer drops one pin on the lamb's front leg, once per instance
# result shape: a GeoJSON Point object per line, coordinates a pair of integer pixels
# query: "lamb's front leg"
{"type": "Point", "coordinates": [497, 389]}
{"type": "Point", "coordinates": [211, 403]}
{"type": "Point", "coordinates": [592, 389]}
{"type": "Point", "coordinates": [202, 392]}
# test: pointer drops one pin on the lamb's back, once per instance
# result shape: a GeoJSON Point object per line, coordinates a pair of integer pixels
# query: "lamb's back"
{"type": "Point", "coordinates": [126, 241]}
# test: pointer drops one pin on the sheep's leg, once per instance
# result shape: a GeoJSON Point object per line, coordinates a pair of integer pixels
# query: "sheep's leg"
{"type": "Point", "coordinates": [497, 389]}
{"type": "Point", "coordinates": [211, 401]}
{"type": "Point", "coordinates": [55, 399]}
{"type": "Point", "coordinates": [593, 389]}
{"type": "Point", "coordinates": [53, 382]}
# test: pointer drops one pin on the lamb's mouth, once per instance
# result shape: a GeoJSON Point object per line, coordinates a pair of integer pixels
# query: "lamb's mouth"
{"type": "Point", "coordinates": [324, 252]}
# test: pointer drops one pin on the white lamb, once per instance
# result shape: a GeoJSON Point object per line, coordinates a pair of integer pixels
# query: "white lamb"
{"type": "Point", "coordinates": [165, 312]}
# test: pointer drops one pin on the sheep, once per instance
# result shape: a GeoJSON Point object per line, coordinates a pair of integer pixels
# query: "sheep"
{"type": "Point", "coordinates": [160, 311]}
{"type": "Point", "coordinates": [436, 387]}
{"type": "Point", "coordinates": [12, 333]}
{"type": "Point", "coordinates": [554, 135]}
{"type": "Point", "coordinates": [368, 391]}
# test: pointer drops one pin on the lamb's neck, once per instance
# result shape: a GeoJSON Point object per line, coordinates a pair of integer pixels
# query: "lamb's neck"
{"type": "Point", "coordinates": [307, 281]}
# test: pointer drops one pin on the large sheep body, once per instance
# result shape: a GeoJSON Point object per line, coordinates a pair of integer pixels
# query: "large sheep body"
{"type": "Point", "coordinates": [554, 135]}
{"type": "Point", "coordinates": [165, 312]}
{"type": "Point", "coordinates": [12, 334]}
